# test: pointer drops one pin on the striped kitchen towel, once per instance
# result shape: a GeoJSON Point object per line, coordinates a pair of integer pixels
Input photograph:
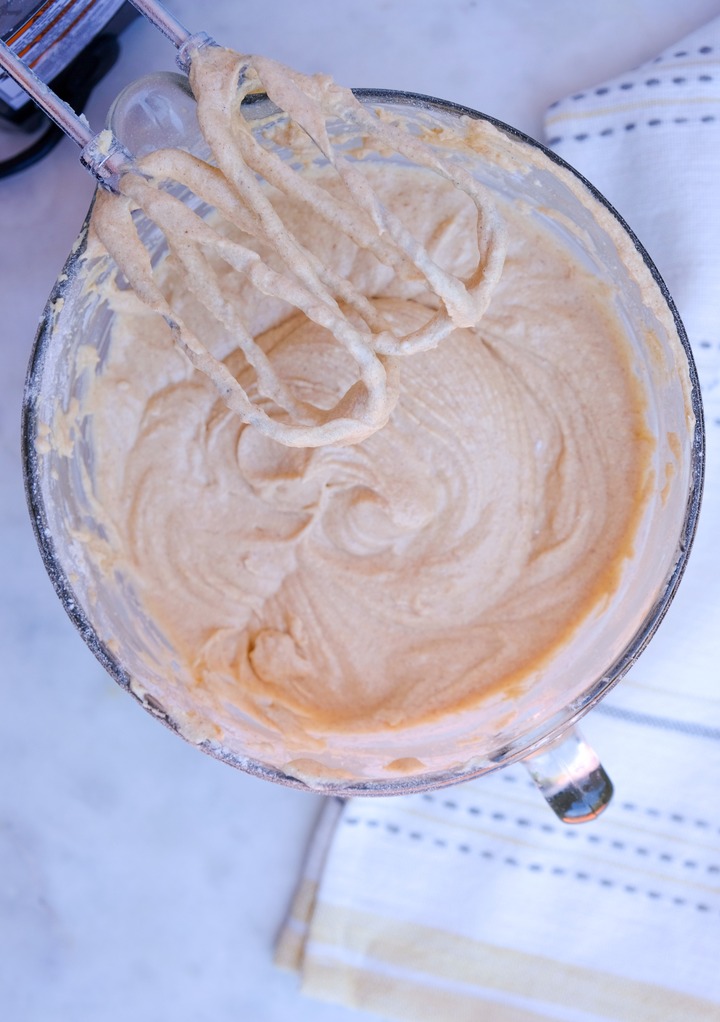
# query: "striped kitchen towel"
{"type": "Point", "coordinates": [474, 902]}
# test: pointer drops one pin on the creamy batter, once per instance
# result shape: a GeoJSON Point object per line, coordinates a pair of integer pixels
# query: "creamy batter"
{"type": "Point", "coordinates": [343, 588]}
{"type": "Point", "coordinates": [392, 579]}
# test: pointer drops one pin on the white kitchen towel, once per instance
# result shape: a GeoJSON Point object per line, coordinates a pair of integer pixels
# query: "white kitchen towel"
{"type": "Point", "coordinates": [474, 902]}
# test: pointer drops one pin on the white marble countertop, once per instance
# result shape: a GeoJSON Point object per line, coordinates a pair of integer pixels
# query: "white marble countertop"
{"type": "Point", "coordinates": [140, 879]}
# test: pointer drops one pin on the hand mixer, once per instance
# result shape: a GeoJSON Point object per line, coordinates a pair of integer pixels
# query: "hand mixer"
{"type": "Point", "coordinates": [129, 183]}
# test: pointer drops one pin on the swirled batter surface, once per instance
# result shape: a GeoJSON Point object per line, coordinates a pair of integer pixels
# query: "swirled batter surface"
{"type": "Point", "coordinates": [381, 585]}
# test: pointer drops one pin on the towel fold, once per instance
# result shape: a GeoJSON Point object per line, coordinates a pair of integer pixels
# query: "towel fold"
{"type": "Point", "coordinates": [474, 902]}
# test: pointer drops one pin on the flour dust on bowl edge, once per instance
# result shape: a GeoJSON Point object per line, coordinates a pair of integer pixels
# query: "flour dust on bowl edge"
{"type": "Point", "coordinates": [507, 725]}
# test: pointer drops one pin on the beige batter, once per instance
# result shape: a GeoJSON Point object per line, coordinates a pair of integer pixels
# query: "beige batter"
{"type": "Point", "coordinates": [356, 587]}
{"type": "Point", "coordinates": [392, 579]}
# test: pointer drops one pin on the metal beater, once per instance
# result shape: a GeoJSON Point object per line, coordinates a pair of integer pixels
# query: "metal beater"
{"type": "Point", "coordinates": [101, 153]}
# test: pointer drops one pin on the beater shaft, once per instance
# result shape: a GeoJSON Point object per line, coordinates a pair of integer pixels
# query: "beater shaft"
{"type": "Point", "coordinates": [162, 19]}
{"type": "Point", "coordinates": [102, 154]}
{"type": "Point", "coordinates": [185, 41]}
{"type": "Point", "coordinates": [56, 109]}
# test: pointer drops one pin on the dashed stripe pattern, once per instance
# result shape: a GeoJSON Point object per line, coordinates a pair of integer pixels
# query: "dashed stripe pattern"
{"type": "Point", "coordinates": [675, 84]}
{"type": "Point", "coordinates": [531, 865]}
{"type": "Point", "coordinates": [651, 122]}
{"type": "Point", "coordinates": [572, 833]}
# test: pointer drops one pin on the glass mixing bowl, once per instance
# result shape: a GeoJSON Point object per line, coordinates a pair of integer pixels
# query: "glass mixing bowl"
{"type": "Point", "coordinates": [536, 725]}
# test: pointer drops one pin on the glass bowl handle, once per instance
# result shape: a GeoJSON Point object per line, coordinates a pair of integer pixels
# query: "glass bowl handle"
{"type": "Point", "coordinates": [571, 778]}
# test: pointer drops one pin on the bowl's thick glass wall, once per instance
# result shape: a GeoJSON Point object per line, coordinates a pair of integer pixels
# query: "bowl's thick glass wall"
{"type": "Point", "coordinates": [105, 609]}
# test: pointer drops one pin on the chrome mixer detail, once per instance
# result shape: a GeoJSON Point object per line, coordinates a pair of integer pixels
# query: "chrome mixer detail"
{"type": "Point", "coordinates": [71, 44]}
